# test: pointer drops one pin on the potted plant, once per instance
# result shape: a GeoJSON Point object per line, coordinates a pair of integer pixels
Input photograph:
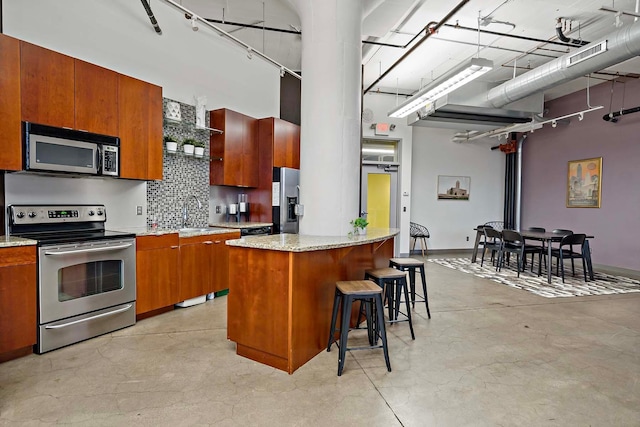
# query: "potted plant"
{"type": "Point", "coordinates": [172, 144]}
{"type": "Point", "coordinates": [199, 148]}
{"type": "Point", "coordinates": [188, 146]}
{"type": "Point", "coordinates": [359, 226]}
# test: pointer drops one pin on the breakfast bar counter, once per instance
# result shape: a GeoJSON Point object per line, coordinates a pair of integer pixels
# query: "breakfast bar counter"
{"type": "Point", "coordinates": [281, 290]}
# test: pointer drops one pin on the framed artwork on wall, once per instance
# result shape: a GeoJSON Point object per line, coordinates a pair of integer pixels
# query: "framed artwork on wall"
{"type": "Point", "coordinates": [584, 183]}
{"type": "Point", "coordinates": [453, 187]}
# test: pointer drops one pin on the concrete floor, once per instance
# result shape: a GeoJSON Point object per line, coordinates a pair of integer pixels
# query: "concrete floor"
{"type": "Point", "coordinates": [490, 355]}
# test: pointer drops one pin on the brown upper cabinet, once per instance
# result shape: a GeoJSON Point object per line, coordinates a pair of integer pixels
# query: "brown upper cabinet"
{"type": "Point", "coordinates": [285, 139]}
{"type": "Point", "coordinates": [11, 141]}
{"type": "Point", "coordinates": [234, 153]}
{"type": "Point", "coordinates": [46, 86]}
{"type": "Point", "coordinates": [140, 122]}
{"type": "Point", "coordinates": [96, 99]}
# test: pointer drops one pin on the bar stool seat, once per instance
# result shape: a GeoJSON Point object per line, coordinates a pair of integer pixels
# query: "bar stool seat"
{"type": "Point", "coordinates": [389, 278]}
{"type": "Point", "coordinates": [410, 265]}
{"type": "Point", "coordinates": [369, 294]}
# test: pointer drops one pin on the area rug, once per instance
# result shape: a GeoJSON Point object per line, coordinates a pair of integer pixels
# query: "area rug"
{"type": "Point", "coordinates": [603, 284]}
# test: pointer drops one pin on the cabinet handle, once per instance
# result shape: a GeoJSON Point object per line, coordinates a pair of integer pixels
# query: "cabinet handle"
{"type": "Point", "coordinates": [175, 247]}
{"type": "Point", "coordinates": [208, 242]}
{"type": "Point", "coordinates": [218, 242]}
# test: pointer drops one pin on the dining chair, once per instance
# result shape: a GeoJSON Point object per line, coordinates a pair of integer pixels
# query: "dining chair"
{"type": "Point", "coordinates": [417, 231]}
{"type": "Point", "coordinates": [535, 247]}
{"type": "Point", "coordinates": [497, 225]}
{"type": "Point", "coordinates": [492, 242]}
{"type": "Point", "coordinates": [513, 242]}
{"type": "Point", "coordinates": [566, 250]}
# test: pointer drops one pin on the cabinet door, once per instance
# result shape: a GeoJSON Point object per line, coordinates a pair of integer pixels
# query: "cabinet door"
{"type": "Point", "coordinates": [140, 122]}
{"type": "Point", "coordinates": [157, 259]}
{"type": "Point", "coordinates": [96, 99]}
{"type": "Point", "coordinates": [220, 261]}
{"type": "Point", "coordinates": [46, 86]}
{"type": "Point", "coordinates": [11, 142]}
{"type": "Point", "coordinates": [286, 144]}
{"type": "Point", "coordinates": [195, 269]}
{"type": "Point", "coordinates": [17, 298]}
{"type": "Point", "coordinates": [250, 162]}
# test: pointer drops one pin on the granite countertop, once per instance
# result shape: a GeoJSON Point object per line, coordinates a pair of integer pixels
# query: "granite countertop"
{"type": "Point", "coordinates": [241, 225]}
{"type": "Point", "coordinates": [196, 231]}
{"type": "Point", "coordinates": [305, 243]}
{"type": "Point", "coordinates": [11, 241]}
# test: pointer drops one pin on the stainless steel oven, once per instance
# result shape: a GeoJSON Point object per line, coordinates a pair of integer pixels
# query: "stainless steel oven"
{"type": "Point", "coordinates": [86, 275]}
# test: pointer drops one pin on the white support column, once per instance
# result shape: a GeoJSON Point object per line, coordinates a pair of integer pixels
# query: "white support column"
{"type": "Point", "coordinates": [330, 115]}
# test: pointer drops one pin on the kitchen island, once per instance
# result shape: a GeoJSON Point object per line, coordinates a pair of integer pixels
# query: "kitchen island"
{"type": "Point", "coordinates": [281, 290]}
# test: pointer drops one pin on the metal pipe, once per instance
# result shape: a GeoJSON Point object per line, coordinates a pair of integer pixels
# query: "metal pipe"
{"type": "Point", "coordinates": [518, 213]}
{"type": "Point", "coordinates": [430, 28]}
{"type": "Point", "coordinates": [612, 116]}
{"type": "Point", "coordinates": [152, 18]}
{"type": "Point", "coordinates": [232, 38]}
{"type": "Point", "coordinates": [513, 36]}
{"type": "Point", "coordinates": [566, 39]}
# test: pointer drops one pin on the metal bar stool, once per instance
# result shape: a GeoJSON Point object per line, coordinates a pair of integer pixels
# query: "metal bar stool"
{"type": "Point", "coordinates": [410, 265]}
{"type": "Point", "coordinates": [369, 294]}
{"type": "Point", "coordinates": [392, 279]}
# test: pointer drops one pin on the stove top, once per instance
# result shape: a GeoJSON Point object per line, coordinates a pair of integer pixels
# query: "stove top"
{"type": "Point", "coordinates": [57, 238]}
{"type": "Point", "coordinates": [58, 224]}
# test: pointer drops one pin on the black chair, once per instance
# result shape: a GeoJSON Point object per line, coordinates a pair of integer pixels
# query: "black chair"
{"type": "Point", "coordinates": [497, 225]}
{"type": "Point", "coordinates": [417, 231]}
{"type": "Point", "coordinates": [566, 251]}
{"type": "Point", "coordinates": [534, 248]}
{"type": "Point", "coordinates": [492, 242]}
{"type": "Point", "coordinates": [513, 242]}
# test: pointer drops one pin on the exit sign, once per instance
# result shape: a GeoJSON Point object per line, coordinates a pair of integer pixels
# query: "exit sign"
{"type": "Point", "coordinates": [382, 129]}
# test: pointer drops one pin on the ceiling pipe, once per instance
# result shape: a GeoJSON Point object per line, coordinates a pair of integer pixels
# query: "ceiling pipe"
{"type": "Point", "coordinates": [513, 36]}
{"type": "Point", "coordinates": [621, 45]}
{"type": "Point", "coordinates": [613, 117]}
{"type": "Point", "coordinates": [152, 18]}
{"type": "Point", "coordinates": [430, 28]}
{"type": "Point", "coordinates": [566, 39]}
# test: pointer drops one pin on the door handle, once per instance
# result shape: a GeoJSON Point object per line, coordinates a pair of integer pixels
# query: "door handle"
{"type": "Point", "coordinates": [83, 251]}
{"type": "Point", "coordinates": [97, 316]}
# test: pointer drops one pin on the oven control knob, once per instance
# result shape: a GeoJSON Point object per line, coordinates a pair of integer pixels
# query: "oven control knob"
{"type": "Point", "coordinates": [91, 213]}
{"type": "Point", "coordinates": [20, 214]}
{"type": "Point", "coordinates": [100, 213]}
{"type": "Point", "coordinates": [32, 214]}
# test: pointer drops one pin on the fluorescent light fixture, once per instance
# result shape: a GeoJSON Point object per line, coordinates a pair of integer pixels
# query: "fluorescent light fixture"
{"type": "Point", "coordinates": [378, 150]}
{"type": "Point", "coordinates": [446, 83]}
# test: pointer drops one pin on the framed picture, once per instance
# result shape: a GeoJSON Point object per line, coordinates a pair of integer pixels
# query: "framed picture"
{"type": "Point", "coordinates": [453, 187]}
{"type": "Point", "coordinates": [584, 183]}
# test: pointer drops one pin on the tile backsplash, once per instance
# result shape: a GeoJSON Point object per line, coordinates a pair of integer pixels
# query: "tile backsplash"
{"type": "Point", "coordinates": [183, 176]}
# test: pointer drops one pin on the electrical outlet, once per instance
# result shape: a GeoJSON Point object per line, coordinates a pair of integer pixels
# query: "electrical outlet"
{"type": "Point", "coordinates": [218, 209]}
{"type": "Point", "coordinates": [139, 210]}
{"type": "Point", "coordinates": [467, 238]}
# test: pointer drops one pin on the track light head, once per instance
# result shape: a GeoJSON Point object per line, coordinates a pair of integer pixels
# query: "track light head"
{"type": "Point", "coordinates": [282, 72]}
{"type": "Point", "coordinates": [194, 23]}
{"type": "Point", "coordinates": [249, 53]}
{"type": "Point", "coordinates": [580, 116]}
{"type": "Point", "coordinates": [554, 123]}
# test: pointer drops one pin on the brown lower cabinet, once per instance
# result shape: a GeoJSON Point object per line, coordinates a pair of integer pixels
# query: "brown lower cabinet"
{"type": "Point", "coordinates": [17, 301]}
{"type": "Point", "coordinates": [171, 269]}
{"type": "Point", "coordinates": [157, 260]}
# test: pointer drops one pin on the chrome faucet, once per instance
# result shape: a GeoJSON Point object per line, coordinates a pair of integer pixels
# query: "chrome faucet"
{"type": "Point", "coordinates": [185, 209]}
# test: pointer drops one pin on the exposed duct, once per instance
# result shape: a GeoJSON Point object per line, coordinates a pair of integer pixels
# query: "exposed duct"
{"type": "Point", "coordinates": [621, 45]}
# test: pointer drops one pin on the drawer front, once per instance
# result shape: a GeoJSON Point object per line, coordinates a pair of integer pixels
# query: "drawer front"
{"type": "Point", "coordinates": [156, 241]}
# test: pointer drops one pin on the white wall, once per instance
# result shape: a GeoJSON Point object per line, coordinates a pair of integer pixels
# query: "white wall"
{"type": "Point", "coordinates": [380, 105]}
{"type": "Point", "coordinates": [451, 221]}
{"type": "Point", "coordinates": [117, 34]}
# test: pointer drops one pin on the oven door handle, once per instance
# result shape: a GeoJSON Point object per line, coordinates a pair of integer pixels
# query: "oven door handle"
{"type": "Point", "coordinates": [82, 251]}
{"type": "Point", "coordinates": [109, 313]}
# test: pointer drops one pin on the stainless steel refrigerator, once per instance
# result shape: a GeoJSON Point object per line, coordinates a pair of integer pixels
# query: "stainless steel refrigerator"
{"type": "Point", "coordinates": [284, 202]}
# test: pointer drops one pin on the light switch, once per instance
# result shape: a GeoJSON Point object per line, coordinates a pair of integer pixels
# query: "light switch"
{"type": "Point", "coordinates": [138, 210]}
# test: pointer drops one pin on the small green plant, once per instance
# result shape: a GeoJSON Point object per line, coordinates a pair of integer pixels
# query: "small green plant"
{"type": "Point", "coordinates": [359, 225]}
{"type": "Point", "coordinates": [169, 138]}
{"type": "Point", "coordinates": [198, 143]}
{"type": "Point", "coordinates": [190, 141]}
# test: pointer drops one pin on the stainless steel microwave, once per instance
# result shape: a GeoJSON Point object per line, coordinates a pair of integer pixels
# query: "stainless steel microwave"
{"type": "Point", "coordinates": [52, 149]}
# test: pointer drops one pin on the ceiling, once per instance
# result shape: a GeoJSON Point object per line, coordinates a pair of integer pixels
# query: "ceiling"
{"type": "Point", "coordinates": [513, 22]}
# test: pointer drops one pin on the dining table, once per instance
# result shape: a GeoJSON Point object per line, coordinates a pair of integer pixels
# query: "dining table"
{"type": "Point", "coordinates": [548, 238]}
